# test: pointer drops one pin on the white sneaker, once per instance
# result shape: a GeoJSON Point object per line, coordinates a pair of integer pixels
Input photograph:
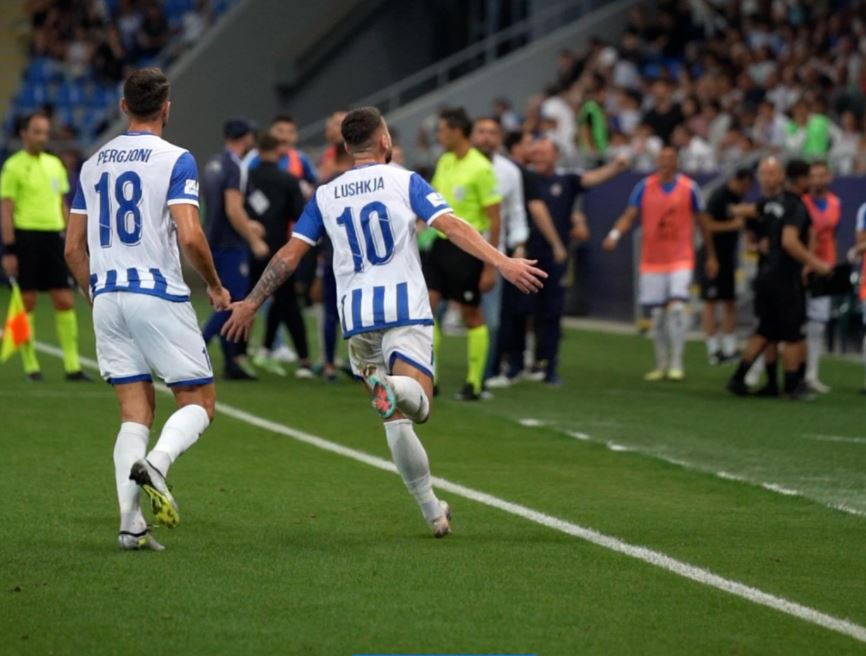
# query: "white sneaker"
{"type": "Point", "coordinates": [817, 386]}
{"type": "Point", "coordinates": [151, 480]}
{"type": "Point", "coordinates": [753, 377]}
{"type": "Point", "coordinates": [499, 382]}
{"type": "Point", "coordinates": [284, 354]}
{"type": "Point", "coordinates": [138, 542]}
{"type": "Point", "coordinates": [442, 525]}
{"type": "Point", "coordinates": [304, 372]}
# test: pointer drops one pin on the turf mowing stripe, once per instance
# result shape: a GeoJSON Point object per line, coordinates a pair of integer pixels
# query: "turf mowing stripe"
{"type": "Point", "coordinates": [655, 558]}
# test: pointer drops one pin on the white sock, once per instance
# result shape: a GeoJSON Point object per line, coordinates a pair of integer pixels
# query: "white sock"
{"type": "Point", "coordinates": [713, 345]}
{"type": "Point", "coordinates": [411, 399]}
{"type": "Point", "coordinates": [180, 432]}
{"type": "Point", "coordinates": [815, 347]}
{"type": "Point", "coordinates": [659, 318]}
{"type": "Point", "coordinates": [729, 344]}
{"type": "Point", "coordinates": [131, 445]}
{"type": "Point", "coordinates": [411, 459]}
{"type": "Point", "coordinates": [677, 332]}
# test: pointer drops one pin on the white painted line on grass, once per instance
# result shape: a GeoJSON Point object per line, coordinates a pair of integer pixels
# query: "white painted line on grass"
{"type": "Point", "coordinates": [529, 422]}
{"type": "Point", "coordinates": [655, 558]}
{"type": "Point", "coordinates": [788, 492]}
{"type": "Point", "coordinates": [613, 446]}
{"type": "Point", "coordinates": [835, 438]}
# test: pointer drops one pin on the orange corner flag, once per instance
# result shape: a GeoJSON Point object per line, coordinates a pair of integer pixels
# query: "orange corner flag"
{"type": "Point", "coordinates": [16, 330]}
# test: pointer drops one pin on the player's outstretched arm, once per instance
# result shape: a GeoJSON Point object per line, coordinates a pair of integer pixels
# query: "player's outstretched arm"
{"type": "Point", "coordinates": [519, 272]}
{"type": "Point", "coordinates": [195, 248]}
{"type": "Point", "coordinates": [76, 251]}
{"type": "Point", "coordinates": [281, 266]}
{"type": "Point", "coordinates": [623, 224]}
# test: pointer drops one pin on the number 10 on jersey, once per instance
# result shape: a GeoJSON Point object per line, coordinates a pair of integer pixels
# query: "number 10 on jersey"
{"type": "Point", "coordinates": [367, 214]}
{"type": "Point", "coordinates": [127, 218]}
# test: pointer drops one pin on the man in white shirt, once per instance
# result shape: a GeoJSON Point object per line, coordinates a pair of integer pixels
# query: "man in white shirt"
{"type": "Point", "coordinates": [487, 137]}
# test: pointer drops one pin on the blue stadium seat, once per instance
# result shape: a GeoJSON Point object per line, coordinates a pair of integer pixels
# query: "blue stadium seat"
{"type": "Point", "coordinates": [69, 94]}
{"type": "Point", "coordinates": [42, 70]}
{"type": "Point", "coordinates": [31, 95]}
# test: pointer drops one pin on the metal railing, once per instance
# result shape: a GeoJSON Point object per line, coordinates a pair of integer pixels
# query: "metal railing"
{"type": "Point", "coordinates": [465, 61]}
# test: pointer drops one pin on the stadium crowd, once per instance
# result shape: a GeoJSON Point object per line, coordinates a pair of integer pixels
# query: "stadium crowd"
{"type": "Point", "coordinates": [720, 80]}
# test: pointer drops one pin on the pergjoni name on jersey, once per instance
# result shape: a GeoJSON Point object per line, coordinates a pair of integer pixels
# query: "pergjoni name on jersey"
{"type": "Point", "coordinates": [114, 155]}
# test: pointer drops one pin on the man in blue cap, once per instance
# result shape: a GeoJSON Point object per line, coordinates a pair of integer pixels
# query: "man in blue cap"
{"type": "Point", "coordinates": [231, 233]}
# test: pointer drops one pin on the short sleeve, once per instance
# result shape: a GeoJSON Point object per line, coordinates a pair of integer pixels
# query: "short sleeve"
{"type": "Point", "coordinates": [8, 182]}
{"type": "Point", "coordinates": [63, 176]}
{"type": "Point", "coordinates": [488, 189]}
{"type": "Point", "coordinates": [636, 196]}
{"type": "Point", "coordinates": [79, 206]}
{"type": "Point", "coordinates": [183, 185]}
{"type": "Point", "coordinates": [798, 216]}
{"type": "Point", "coordinates": [697, 200]}
{"type": "Point", "coordinates": [426, 202]}
{"type": "Point", "coordinates": [310, 227]}
{"type": "Point", "coordinates": [309, 170]}
{"type": "Point", "coordinates": [716, 207]}
{"type": "Point", "coordinates": [861, 218]}
{"type": "Point", "coordinates": [232, 179]}
{"type": "Point", "coordinates": [530, 186]}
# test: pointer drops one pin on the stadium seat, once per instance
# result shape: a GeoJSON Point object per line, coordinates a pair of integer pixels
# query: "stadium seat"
{"type": "Point", "coordinates": [69, 94]}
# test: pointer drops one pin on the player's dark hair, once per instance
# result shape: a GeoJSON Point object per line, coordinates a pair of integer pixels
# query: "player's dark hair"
{"type": "Point", "coordinates": [511, 139]}
{"type": "Point", "coordinates": [24, 123]}
{"type": "Point", "coordinates": [820, 162]}
{"type": "Point", "coordinates": [360, 125]}
{"type": "Point", "coordinates": [145, 91]}
{"type": "Point", "coordinates": [491, 118]}
{"type": "Point", "coordinates": [796, 168]}
{"type": "Point", "coordinates": [456, 118]}
{"type": "Point", "coordinates": [267, 143]}
{"type": "Point", "coordinates": [283, 118]}
{"type": "Point", "coordinates": [744, 173]}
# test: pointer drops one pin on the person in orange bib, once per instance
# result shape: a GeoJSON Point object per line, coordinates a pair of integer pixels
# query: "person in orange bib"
{"type": "Point", "coordinates": [668, 204]}
{"type": "Point", "coordinates": [825, 210]}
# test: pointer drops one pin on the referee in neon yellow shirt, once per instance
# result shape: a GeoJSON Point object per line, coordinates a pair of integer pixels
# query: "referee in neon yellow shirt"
{"type": "Point", "coordinates": [466, 179]}
{"type": "Point", "coordinates": [32, 185]}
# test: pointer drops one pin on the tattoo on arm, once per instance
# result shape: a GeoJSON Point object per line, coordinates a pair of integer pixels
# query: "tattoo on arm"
{"type": "Point", "coordinates": [275, 274]}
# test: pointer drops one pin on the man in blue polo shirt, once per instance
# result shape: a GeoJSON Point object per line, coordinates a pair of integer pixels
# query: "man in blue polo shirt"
{"type": "Point", "coordinates": [231, 233]}
{"type": "Point", "coordinates": [560, 192]}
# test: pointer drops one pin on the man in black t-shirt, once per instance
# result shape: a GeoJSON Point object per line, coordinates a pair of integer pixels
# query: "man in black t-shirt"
{"type": "Point", "coordinates": [274, 198]}
{"type": "Point", "coordinates": [726, 211]}
{"type": "Point", "coordinates": [783, 225]}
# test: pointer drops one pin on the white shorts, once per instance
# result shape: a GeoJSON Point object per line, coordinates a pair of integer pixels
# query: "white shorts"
{"type": "Point", "coordinates": [661, 288]}
{"type": "Point", "coordinates": [411, 344]}
{"type": "Point", "coordinates": [819, 309]}
{"type": "Point", "coordinates": [138, 334]}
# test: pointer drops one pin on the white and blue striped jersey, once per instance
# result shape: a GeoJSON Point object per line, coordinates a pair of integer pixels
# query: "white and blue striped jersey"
{"type": "Point", "coordinates": [370, 213]}
{"type": "Point", "coordinates": [125, 190]}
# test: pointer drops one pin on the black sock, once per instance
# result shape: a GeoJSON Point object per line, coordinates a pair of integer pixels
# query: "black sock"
{"type": "Point", "coordinates": [792, 380]}
{"type": "Point", "coordinates": [772, 373]}
{"type": "Point", "coordinates": [742, 370]}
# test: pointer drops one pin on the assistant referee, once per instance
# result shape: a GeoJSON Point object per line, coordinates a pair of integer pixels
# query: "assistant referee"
{"type": "Point", "coordinates": [32, 188]}
{"type": "Point", "coordinates": [466, 179]}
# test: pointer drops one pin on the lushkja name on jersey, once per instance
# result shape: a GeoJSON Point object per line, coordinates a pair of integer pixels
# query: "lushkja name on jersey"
{"type": "Point", "coordinates": [359, 187]}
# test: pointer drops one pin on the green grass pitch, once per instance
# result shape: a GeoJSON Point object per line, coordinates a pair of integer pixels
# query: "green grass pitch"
{"type": "Point", "coordinates": [284, 548]}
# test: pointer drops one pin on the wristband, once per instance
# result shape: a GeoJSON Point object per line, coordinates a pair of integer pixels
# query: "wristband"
{"type": "Point", "coordinates": [614, 234]}
{"type": "Point", "coordinates": [10, 249]}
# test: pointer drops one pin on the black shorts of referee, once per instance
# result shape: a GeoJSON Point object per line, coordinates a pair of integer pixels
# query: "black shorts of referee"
{"type": "Point", "coordinates": [453, 273]}
{"type": "Point", "coordinates": [780, 305]}
{"type": "Point", "coordinates": [41, 263]}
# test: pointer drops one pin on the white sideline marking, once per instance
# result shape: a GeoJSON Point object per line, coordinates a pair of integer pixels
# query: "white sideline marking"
{"type": "Point", "coordinates": [655, 558]}
{"type": "Point", "coordinates": [580, 436]}
{"type": "Point", "coordinates": [788, 492]}
{"type": "Point", "coordinates": [836, 438]}
{"type": "Point", "coordinates": [613, 446]}
{"type": "Point", "coordinates": [529, 422]}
